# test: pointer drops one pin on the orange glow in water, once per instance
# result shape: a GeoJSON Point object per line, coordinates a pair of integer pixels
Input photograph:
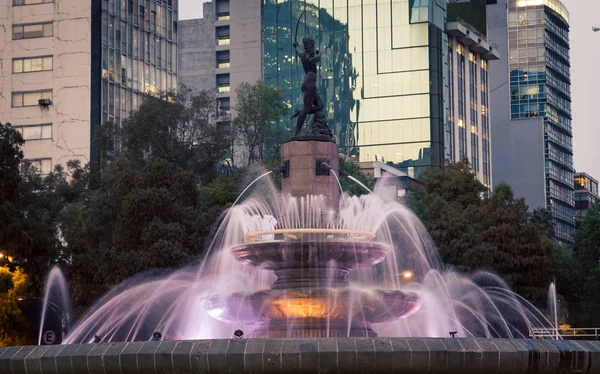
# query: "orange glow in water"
{"type": "Point", "coordinates": [300, 308]}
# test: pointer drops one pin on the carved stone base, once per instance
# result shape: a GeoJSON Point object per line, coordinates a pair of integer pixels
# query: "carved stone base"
{"type": "Point", "coordinates": [309, 137]}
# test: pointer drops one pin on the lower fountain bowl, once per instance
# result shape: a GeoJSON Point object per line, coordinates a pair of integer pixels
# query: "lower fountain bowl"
{"type": "Point", "coordinates": [318, 306]}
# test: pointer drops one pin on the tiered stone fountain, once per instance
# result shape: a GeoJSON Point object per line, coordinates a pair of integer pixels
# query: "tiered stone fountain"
{"type": "Point", "coordinates": [312, 296]}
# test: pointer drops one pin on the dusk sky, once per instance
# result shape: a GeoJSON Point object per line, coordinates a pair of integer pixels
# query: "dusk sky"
{"type": "Point", "coordinates": [585, 75]}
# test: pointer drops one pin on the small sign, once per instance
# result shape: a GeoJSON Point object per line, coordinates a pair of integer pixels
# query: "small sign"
{"type": "Point", "coordinates": [49, 337]}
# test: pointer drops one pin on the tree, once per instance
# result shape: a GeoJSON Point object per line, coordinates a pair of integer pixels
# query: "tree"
{"type": "Point", "coordinates": [259, 107]}
{"type": "Point", "coordinates": [28, 231]}
{"type": "Point", "coordinates": [472, 233]}
{"type": "Point", "coordinates": [11, 156]}
{"type": "Point", "coordinates": [351, 168]}
{"type": "Point", "coordinates": [13, 326]}
{"type": "Point", "coordinates": [583, 281]}
{"type": "Point", "coordinates": [180, 128]}
{"type": "Point", "coordinates": [140, 218]}
{"type": "Point", "coordinates": [518, 249]}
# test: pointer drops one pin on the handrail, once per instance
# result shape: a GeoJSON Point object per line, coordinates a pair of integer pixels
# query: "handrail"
{"type": "Point", "coordinates": [550, 332]}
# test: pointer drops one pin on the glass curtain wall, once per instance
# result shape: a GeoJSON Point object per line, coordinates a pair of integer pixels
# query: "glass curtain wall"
{"type": "Point", "coordinates": [139, 53]}
{"type": "Point", "coordinates": [381, 73]}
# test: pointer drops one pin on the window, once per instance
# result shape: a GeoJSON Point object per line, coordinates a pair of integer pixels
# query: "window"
{"type": "Point", "coordinates": [31, 98]}
{"type": "Point", "coordinates": [223, 106]}
{"type": "Point", "coordinates": [222, 10]}
{"type": "Point", "coordinates": [223, 83]}
{"type": "Point", "coordinates": [42, 166]}
{"type": "Point", "coordinates": [31, 64]}
{"type": "Point", "coordinates": [222, 35]}
{"type": "Point", "coordinates": [223, 59]}
{"type": "Point", "coordinates": [31, 2]}
{"type": "Point", "coordinates": [35, 132]}
{"type": "Point", "coordinates": [34, 30]}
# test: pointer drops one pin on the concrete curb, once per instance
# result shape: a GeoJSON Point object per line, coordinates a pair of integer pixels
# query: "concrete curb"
{"type": "Point", "coordinates": [342, 355]}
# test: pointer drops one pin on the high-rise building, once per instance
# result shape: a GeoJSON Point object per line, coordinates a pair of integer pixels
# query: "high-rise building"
{"type": "Point", "coordinates": [69, 65]}
{"type": "Point", "coordinates": [586, 194]}
{"type": "Point", "coordinates": [468, 125]}
{"type": "Point", "coordinates": [531, 90]}
{"type": "Point", "coordinates": [222, 49]}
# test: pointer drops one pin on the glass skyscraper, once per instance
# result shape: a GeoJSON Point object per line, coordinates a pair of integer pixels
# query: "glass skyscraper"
{"type": "Point", "coordinates": [134, 52]}
{"type": "Point", "coordinates": [382, 75]}
{"type": "Point", "coordinates": [540, 84]}
{"type": "Point", "coordinates": [539, 103]}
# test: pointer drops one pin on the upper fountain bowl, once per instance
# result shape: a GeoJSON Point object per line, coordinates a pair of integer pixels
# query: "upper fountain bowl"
{"type": "Point", "coordinates": [303, 248]}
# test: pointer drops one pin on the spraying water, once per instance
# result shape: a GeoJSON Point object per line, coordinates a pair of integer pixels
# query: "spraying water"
{"type": "Point", "coordinates": [553, 307]}
{"type": "Point", "coordinates": [56, 293]}
{"type": "Point", "coordinates": [338, 181]}
{"type": "Point", "coordinates": [359, 183]}
{"type": "Point", "coordinates": [175, 303]}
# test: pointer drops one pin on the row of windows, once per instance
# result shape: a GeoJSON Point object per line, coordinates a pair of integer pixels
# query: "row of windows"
{"type": "Point", "coordinates": [31, 2]}
{"type": "Point", "coordinates": [562, 211]}
{"type": "Point", "coordinates": [557, 64]}
{"type": "Point", "coordinates": [559, 173]}
{"type": "Point", "coordinates": [554, 134]}
{"type": "Point", "coordinates": [148, 15]}
{"type": "Point", "coordinates": [33, 30]}
{"type": "Point", "coordinates": [35, 132]}
{"type": "Point", "coordinates": [30, 98]}
{"type": "Point", "coordinates": [32, 64]}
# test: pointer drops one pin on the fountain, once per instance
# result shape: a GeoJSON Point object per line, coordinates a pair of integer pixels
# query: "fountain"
{"type": "Point", "coordinates": [312, 296]}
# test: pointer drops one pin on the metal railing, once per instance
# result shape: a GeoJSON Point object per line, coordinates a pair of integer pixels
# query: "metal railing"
{"type": "Point", "coordinates": [564, 333]}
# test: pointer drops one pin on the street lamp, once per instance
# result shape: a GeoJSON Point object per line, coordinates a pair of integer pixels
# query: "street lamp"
{"type": "Point", "coordinates": [595, 29]}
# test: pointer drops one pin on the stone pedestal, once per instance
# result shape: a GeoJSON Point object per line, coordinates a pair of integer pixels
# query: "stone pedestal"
{"type": "Point", "coordinates": [305, 178]}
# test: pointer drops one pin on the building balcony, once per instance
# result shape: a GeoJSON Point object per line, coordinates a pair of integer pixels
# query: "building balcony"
{"type": "Point", "coordinates": [464, 35]}
{"type": "Point", "coordinates": [481, 47]}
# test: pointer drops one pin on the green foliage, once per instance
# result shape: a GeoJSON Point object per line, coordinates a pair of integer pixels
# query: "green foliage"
{"type": "Point", "coordinates": [13, 326]}
{"type": "Point", "coordinates": [28, 209]}
{"type": "Point", "coordinates": [581, 279]}
{"type": "Point", "coordinates": [179, 128]}
{"type": "Point", "coordinates": [473, 12]}
{"type": "Point", "coordinates": [472, 233]}
{"type": "Point", "coordinates": [138, 219]}
{"type": "Point", "coordinates": [259, 106]}
{"type": "Point", "coordinates": [351, 186]}
{"type": "Point", "coordinates": [10, 161]}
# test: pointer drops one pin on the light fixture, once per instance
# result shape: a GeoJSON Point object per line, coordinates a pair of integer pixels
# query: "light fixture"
{"type": "Point", "coordinates": [407, 274]}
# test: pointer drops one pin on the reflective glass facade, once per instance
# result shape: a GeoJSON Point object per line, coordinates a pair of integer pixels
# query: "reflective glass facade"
{"type": "Point", "coordinates": [382, 75]}
{"type": "Point", "coordinates": [540, 85]}
{"type": "Point", "coordinates": [138, 53]}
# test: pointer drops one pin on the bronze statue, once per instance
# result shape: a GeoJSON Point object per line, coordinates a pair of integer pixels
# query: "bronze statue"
{"type": "Point", "coordinates": [312, 101]}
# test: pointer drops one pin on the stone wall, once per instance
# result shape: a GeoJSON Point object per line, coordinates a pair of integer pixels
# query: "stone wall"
{"type": "Point", "coordinates": [345, 355]}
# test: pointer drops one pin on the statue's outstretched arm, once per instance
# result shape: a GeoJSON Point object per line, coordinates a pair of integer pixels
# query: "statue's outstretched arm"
{"type": "Point", "coordinates": [317, 58]}
{"type": "Point", "coordinates": [298, 51]}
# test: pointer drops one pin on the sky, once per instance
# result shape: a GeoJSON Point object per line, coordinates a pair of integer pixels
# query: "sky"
{"type": "Point", "coordinates": [585, 77]}
{"type": "Point", "coordinates": [191, 8]}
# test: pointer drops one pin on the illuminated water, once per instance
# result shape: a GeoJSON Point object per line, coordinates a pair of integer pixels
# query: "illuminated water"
{"type": "Point", "coordinates": [57, 297]}
{"type": "Point", "coordinates": [481, 305]}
